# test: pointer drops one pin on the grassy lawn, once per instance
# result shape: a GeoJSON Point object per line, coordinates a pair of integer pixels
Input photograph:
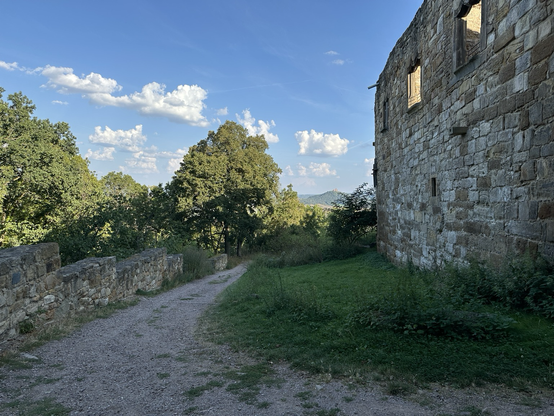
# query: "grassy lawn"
{"type": "Point", "coordinates": [311, 316]}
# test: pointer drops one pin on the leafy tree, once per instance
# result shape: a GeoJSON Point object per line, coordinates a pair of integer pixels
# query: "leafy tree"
{"type": "Point", "coordinates": [118, 184]}
{"type": "Point", "coordinates": [223, 186]}
{"type": "Point", "coordinates": [353, 215]}
{"type": "Point", "coordinates": [287, 211]}
{"type": "Point", "coordinates": [43, 180]}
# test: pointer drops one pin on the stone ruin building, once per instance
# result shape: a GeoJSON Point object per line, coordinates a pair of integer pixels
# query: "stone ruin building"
{"type": "Point", "coordinates": [464, 134]}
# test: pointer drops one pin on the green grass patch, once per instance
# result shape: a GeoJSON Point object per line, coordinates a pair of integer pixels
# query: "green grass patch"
{"type": "Point", "coordinates": [42, 407]}
{"type": "Point", "coordinates": [199, 390]}
{"type": "Point", "coordinates": [246, 381]}
{"type": "Point", "coordinates": [365, 316]}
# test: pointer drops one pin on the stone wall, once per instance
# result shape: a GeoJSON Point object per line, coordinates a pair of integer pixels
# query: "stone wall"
{"type": "Point", "coordinates": [34, 286]}
{"type": "Point", "coordinates": [469, 171]}
{"type": "Point", "coordinates": [219, 262]}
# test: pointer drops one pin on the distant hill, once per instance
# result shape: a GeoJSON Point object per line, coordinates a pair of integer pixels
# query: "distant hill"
{"type": "Point", "coordinates": [325, 199]}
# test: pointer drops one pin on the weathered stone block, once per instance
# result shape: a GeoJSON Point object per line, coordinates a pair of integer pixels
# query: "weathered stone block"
{"type": "Point", "coordinates": [219, 262]}
{"type": "Point", "coordinates": [546, 210]}
{"type": "Point", "coordinates": [528, 171]}
{"type": "Point", "coordinates": [542, 49]}
{"type": "Point", "coordinates": [507, 72]}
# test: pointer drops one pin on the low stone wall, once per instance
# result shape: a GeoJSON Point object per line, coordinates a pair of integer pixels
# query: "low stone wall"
{"type": "Point", "coordinates": [34, 286]}
{"type": "Point", "coordinates": [219, 262]}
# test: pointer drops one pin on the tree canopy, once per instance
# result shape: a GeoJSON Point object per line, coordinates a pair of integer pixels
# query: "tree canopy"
{"type": "Point", "coordinates": [43, 180]}
{"type": "Point", "coordinates": [224, 184]}
{"type": "Point", "coordinates": [353, 215]}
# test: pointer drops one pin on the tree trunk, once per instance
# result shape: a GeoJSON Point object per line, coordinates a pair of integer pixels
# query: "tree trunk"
{"type": "Point", "coordinates": [227, 242]}
{"type": "Point", "coordinates": [239, 246]}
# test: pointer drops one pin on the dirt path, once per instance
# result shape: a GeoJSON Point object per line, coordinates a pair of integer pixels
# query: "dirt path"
{"type": "Point", "coordinates": [145, 360]}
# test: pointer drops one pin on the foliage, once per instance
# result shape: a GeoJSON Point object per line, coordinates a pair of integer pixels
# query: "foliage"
{"type": "Point", "coordinates": [523, 283]}
{"type": "Point", "coordinates": [307, 316]}
{"type": "Point", "coordinates": [127, 220]}
{"type": "Point", "coordinates": [196, 263]}
{"type": "Point", "coordinates": [353, 215]}
{"type": "Point", "coordinates": [119, 185]}
{"type": "Point", "coordinates": [287, 211]}
{"type": "Point", "coordinates": [224, 186]}
{"type": "Point", "coordinates": [43, 180]}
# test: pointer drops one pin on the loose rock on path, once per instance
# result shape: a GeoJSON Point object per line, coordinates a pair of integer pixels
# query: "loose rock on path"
{"type": "Point", "coordinates": [145, 360]}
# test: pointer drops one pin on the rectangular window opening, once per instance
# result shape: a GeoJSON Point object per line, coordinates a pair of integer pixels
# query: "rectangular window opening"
{"type": "Point", "coordinates": [414, 85]}
{"type": "Point", "coordinates": [468, 32]}
{"type": "Point", "coordinates": [385, 115]}
{"type": "Point", "coordinates": [433, 186]}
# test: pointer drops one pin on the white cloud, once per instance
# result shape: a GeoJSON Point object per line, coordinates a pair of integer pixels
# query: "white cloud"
{"type": "Point", "coordinates": [60, 102]}
{"type": "Point", "coordinates": [313, 169]}
{"type": "Point", "coordinates": [338, 62]}
{"type": "Point", "coordinates": [141, 162]}
{"type": "Point", "coordinates": [8, 66]}
{"type": "Point", "coordinates": [222, 111]}
{"type": "Point", "coordinates": [66, 82]}
{"type": "Point", "coordinates": [15, 65]}
{"type": "Point", "coordinates": [369, 166]}
{"type": "Point", "coordinates": [183, 105]}
{"type": "Point", "coordinates": [319, 144]}
{"type": "Point", "coordinates": [177, 154]}
{"type": "Point", "coordinates": [144, 159]}
{"type": "Point", "coordinates": [322, 169]}
{"type": "Point", "coordinates": [173, 165]}
{"type": "Point", "coordinates": [331, 53]}
{"type": "Point", "coordinates": [304, 181]}
{"type": "Point", "coordinates": [263, 127]}
{"type": "Point", "coordinates": [105, 153]}
{"type": "Point", "coordinates": [128, 140]}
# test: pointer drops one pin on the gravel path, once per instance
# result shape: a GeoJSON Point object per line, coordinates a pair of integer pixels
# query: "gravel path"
{"type": "Point", "coordinates": [145, 360]}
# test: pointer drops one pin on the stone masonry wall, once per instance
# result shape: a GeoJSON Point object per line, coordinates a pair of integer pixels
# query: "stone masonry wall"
{"type": "Point", "coordinates": [34, 286]}
{"type": "Point", "coordinates": [495, 183]}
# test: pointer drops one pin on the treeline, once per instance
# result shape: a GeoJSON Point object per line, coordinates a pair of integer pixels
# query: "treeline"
{"type": "Point", "coordinates": [225, 196]}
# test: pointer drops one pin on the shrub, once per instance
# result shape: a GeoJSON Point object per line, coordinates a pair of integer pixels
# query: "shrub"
{"type": "Point", "coordinates": [196, 263]}
{"type": "Point", "coordinates": [523, 283]}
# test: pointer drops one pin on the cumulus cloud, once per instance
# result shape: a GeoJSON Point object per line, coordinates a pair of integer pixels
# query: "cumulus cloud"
{"type": "Point", "coordinates": [338, 62]}
{"type": "Point", "coordinates": [313, 169]}
{"type": "Point", "coordinates": [313, 143]}
{"type": "Point", "coordinates": [173, 165]}
{"type": "Point", "coordinates": [105, 153]}
{"type": "Point", "coordinates": [222, 111]}
{"type": "Point", "coordinates": [66, 82]}
{"type": "Point", "coordinates": [263, 127]}
{"type": "Point", "coordinates": [141, 162]}
{"type": "Point", "coordinates": [331, 53]}
{"type": "Point", "coordinates": [322, 169]}
{"type": "Point", "coordinates": [182, 105]}
{"type": "Point", "coordinates": [60, 102]}
{"type": "Point", "coordinates": [8, 66]}
{"type": "Point", "coordinates": [127, 140]}
{"type": "Point", "coordinates": [368, 163]}
{"type": "Point", "coordinates": [143, 159]}
{"type": "Point", "coordinates": [175, 159]}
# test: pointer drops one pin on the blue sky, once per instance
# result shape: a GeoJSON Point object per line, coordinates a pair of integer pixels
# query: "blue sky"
{"type": "Point", "coordinates": [139, 82]}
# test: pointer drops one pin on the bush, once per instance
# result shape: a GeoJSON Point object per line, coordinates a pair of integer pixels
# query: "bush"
{"type": "Point", "coordinates": [196, 263]}
{"type": "Point", "coordinates": [522, 284]}
{"type": "Point", "coordinates": [419, 303]}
